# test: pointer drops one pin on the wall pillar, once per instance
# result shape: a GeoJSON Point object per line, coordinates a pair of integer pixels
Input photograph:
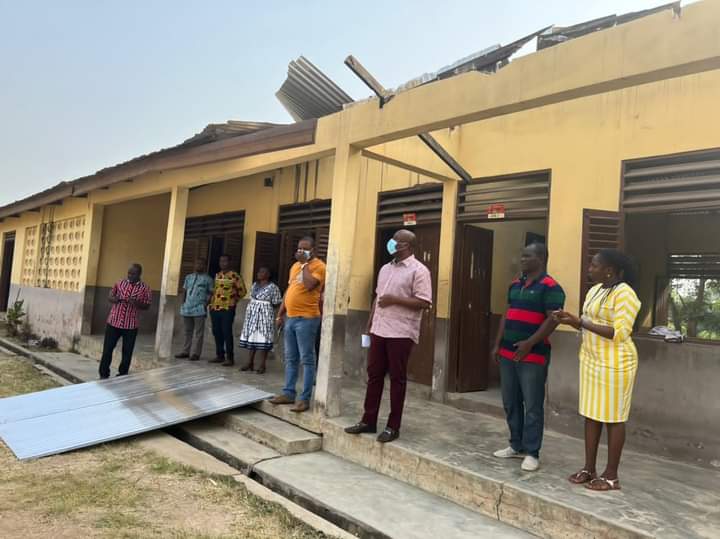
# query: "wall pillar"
{"type": "Point", "coordinates": [169, 300]}
{"type": "Point", "coordinates": [91, 249]}
{"type": "Point", "coordinates": [343, 223]}
{"type": "Point", "coordinates": [444, 291]}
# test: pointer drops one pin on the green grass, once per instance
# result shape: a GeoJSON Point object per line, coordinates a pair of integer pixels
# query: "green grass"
{"type": "Point", "coordinates": [18, 376]}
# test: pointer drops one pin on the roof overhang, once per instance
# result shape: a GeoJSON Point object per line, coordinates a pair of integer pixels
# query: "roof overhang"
{"type": "Point", "coordinates": [264, 141]}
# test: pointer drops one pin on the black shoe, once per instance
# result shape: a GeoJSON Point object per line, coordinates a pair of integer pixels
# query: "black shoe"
{"type": "Point", "coordinates": [217, 360]}
{"type": "Point", "coordinates": [104, 377]}
{"type": "Point", "coordinates": [361, 427]}
{"type": "Point", "coordinates": [388, 435]}
{"type": "Point", "coordinates": [194, 357]}
{"type": "Point", "coordinates": [182, 355]}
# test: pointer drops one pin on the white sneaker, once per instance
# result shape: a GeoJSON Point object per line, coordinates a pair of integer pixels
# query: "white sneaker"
{"type": "Point", "coordinates": [530, 464]}
{"type": "Point", "coordinates": [508, 453]}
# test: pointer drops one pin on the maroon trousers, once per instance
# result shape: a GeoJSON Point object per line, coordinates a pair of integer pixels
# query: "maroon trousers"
{"type": "Point", "coordinates": [386, 356]}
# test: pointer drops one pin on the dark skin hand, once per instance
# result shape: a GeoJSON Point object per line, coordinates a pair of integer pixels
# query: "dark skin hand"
{"type": "Point", "coordinates": [405, 244]}
{"type": "Point", "coordinates": [133, 276]}
{"type": "Point", "coordinates": [598, 274]}
{"type": "Point", "coordinates": [532, 267]}
{"type": "Point", "coordinates": [305, 246]}
{"type": "Point", "coordinates": [309, 282]}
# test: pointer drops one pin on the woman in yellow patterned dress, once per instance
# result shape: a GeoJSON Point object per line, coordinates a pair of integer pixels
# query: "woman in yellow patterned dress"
{"type": "Point", "coordinates": [608, 362]}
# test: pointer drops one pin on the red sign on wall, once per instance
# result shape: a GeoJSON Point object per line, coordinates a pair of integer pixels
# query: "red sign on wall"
{"type": "Point", "coordinates": [409, 219]}
{"type": "Point", "coordinates": [496, 211]}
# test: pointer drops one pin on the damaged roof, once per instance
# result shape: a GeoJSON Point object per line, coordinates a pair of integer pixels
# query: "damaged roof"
{"type": "Point", "coordinates": [308, 93]}
{"type": "Point", "coordinates": [561, 34]}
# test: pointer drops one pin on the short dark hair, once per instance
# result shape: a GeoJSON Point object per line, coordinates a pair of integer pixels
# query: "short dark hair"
{"type": "Point", "coordinates": [541, 251]}
{"type": "Point", "coordinates": [137, 267]}
{"type": "Point", "coordinates": [311, 239]}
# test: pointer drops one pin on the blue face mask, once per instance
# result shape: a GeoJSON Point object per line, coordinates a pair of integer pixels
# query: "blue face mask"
{"type": "Point", "coordinates": [392, 246]}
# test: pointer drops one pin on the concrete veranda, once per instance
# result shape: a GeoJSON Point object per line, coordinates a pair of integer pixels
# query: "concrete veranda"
{"type": "Point", "coordinates": [449, 452]}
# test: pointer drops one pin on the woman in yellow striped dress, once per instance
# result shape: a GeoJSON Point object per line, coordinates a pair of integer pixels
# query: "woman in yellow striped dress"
{"type": "Point", "coordinates": [608, 362]}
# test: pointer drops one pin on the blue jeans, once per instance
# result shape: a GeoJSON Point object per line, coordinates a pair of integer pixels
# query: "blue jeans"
{"type": "Point", "coordinates": [523, 394]}
{"type": "Point", "coordinates": [300, 336]}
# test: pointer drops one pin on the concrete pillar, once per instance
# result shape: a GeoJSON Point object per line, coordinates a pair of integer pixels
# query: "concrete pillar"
{"type": "Point", "coordinates": [169, 300]}
{"type": "Point", "coordinates": [91, 260]}
{"type": "Point", "coordinates": [444, 292]}
{"type": "Point", "coordinates": [343, 223]}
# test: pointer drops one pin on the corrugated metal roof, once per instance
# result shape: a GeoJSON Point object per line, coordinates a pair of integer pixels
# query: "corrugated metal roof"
{"type": "Point", "coordinates": [561, 34]}
{"type": "Point", "coordinates": [232, 128]}
{"type": "Point", "coordinates": [487, 61]}
{"type": "Point", "coordinates": [308, 93]}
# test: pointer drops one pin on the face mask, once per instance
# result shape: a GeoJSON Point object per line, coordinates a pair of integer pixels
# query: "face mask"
{"type": "Point", "coordinates": [392, 246]}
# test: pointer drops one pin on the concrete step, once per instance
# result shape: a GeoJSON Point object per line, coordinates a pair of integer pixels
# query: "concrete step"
{"type": "Point", "coordinates": [270, 431]}
{"type": "Point", "coordinates": [224, 444]}
{"type": "Point", "coordinates": [369, 504]}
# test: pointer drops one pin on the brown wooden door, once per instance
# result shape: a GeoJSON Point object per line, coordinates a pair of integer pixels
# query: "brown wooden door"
{"type": "Point", "coordinates": [267, 253]}
{"type": "Point", "coordinates": [6, 272]}
{"type": "Point", "coordinates": [420, 365]}
{"type": "Point", "coordinates": [472, 308]}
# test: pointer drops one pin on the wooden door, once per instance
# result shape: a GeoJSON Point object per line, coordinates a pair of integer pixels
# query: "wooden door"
{"type": "Point", "coordinates": [288, 246]}
{"type": "Point", "coordinates": [6, 272]}
{"type": "Point", "coordinates": [267, 253]}
{"type": "Point", "coordinates": [427, 250]}
{"type": "Point", "coordinates": [471, 307]}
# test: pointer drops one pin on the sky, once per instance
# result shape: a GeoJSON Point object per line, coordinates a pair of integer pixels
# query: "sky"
{"type": "Point", "coordinates": [86, 84]}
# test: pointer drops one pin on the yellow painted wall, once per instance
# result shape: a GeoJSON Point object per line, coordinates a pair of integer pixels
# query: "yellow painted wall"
{"type": "Point", "coordinates": [583, 143]}
{"type": "Point", "coordinates": [261, 205]}
{"type": "Point", "coordinates": [134, 231]}
{"type": "Point", "coordinates": [508, 242]}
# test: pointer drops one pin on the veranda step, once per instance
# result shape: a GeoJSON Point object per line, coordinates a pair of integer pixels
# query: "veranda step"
{"type": "Point", "coordinates": [270, 431]}
{"type": "Point", "coordinates": [225, 444]}
{"type": "Point", "coordinates": [370, 504]}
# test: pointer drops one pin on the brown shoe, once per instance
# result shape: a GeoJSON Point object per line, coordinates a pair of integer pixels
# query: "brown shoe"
{"type": "Point", "coordinates": [281, 399]}
{"type": "Point", "coordinates": [217, 360]}
{"type": "Point", "coordinates": [300, 406]}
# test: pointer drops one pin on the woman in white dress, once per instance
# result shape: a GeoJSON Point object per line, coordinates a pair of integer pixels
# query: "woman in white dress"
{"type": "Point", "coordinates": [258, 331]}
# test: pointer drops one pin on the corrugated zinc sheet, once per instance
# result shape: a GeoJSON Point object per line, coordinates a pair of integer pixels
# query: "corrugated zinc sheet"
{"type": "Point", "coordinates": [71, 417]}
{"type": "Point", "coordinates": [308, 93]}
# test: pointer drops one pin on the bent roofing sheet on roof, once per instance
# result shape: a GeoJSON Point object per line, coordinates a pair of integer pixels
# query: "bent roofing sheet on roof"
{"type": "Point", "coordinates": [308, 93]}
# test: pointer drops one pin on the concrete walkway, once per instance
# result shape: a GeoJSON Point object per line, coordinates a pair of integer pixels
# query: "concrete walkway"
{"type": "Point", "coordinates": [448, 452]}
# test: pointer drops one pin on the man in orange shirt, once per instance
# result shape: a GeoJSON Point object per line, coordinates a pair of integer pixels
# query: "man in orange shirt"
{"type": "Point", "coordinates": [302, 307]}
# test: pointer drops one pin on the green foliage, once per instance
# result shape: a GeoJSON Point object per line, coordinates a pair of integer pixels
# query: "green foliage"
{"type": "Point", "coordinates": [694, 306]}
{"type": "Point", "coordinates": [15, 315]}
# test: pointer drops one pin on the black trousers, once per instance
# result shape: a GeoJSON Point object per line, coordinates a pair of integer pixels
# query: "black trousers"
{"type": "Point", "coordinates": [222, 328]}
{"type": "Point", "coordinates": [112, 336]}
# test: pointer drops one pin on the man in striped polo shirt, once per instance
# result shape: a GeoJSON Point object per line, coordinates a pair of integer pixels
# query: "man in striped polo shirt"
{"type": "Point", "coordinates": [127, 297]}
{"type": "Point", "coordinates": [522, 349]}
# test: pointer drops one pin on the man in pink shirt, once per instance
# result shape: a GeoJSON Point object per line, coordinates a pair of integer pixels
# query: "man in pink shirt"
{"type": "Point", "coordinates": [403, 291]}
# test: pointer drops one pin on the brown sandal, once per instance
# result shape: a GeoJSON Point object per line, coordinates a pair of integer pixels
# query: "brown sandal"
{"type": "Point", "coordinates": [261, 370]}
{"type": "Point", "coordinates": [602, 484]}
{"type": "Point", "coordinates": [248, 367]}
{"type": "Point", "coordinates": [582, 477]}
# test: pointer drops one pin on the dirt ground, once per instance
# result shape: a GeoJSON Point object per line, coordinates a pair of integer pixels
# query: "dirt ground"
{"type": "Point", "coordinates": [121, 491]}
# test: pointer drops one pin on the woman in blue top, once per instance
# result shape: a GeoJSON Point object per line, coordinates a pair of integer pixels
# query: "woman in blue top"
{"type": "Point", "coordinates": [259, 328]}
{"type": "Point", "coordinates": [198, 288]}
